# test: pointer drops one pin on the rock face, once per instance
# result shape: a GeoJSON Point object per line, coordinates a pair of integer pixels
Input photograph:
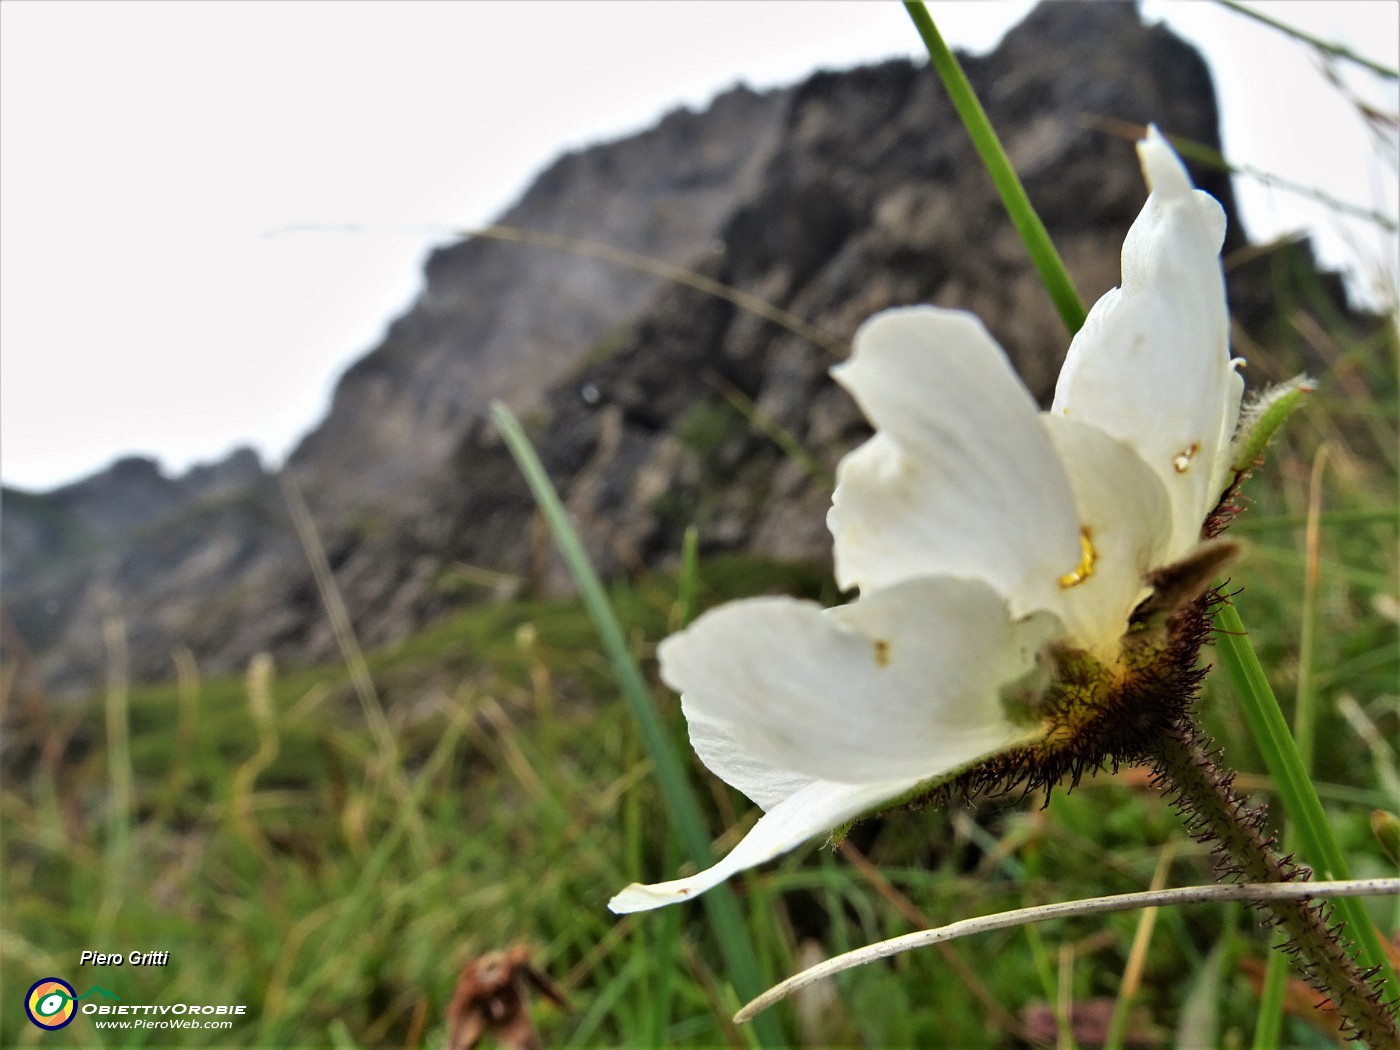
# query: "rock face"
{"type": "Point", "coordinates": [130, 540]}
{"type": "Point", "coordinates": [506, 321]}
{"type": "Point", "coordinates": [844, 195]}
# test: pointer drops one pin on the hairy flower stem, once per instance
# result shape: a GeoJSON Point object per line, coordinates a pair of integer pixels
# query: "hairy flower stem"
{"type": "Point", "coordinates": [1202, 792]}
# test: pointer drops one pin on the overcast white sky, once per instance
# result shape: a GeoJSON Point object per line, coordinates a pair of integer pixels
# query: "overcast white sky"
{"type": "Point", "coordinates": [149, 150]}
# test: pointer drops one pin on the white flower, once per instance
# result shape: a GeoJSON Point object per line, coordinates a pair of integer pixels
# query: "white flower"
{"type": "Point", "coordinates": [979, 532]}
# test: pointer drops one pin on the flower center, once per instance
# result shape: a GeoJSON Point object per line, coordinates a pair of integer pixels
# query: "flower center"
{"type": "Point", "coordinates": [1085, 568]}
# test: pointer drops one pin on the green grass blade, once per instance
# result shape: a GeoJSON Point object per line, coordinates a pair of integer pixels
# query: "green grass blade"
{"type": "Point", "coordinates": [681, 802]}
{"type": "Point", "coordinates": [1023, 216]}
{"type": "Point", "coordinates": [1295, 789]}
{"type": "Point", "coordinates": [1268, 1029]}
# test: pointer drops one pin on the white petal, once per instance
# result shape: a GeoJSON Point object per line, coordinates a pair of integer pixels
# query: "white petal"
{"type": "Point", "coordinates": [1151, 366]}
{"type": "Point", "coordinates": [904, 682]}
{"type": "Point", "coordinates": [1123, 509]}
{"type": "Point", "coordinates": [821, 715]}
{"type": "Point", "coordinates": [817, 808]}
{"type": "Point", "coordinates": [960, 479]}
{"type": "Point", "coordinates": [1220, 473]}
{"type": "Point", "coordinates": [718, 742]}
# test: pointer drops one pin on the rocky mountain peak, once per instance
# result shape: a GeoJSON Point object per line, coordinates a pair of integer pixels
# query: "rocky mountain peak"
{"type": "Point", "coordinates": [843, 195]}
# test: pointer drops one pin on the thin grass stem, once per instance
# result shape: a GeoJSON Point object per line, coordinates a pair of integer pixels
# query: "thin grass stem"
{"type": "Point", "coordinates": [1268, 1029]}
{"type": "Point", "coordinates": [658, 268]}
{"type": "Point", "coordinates": [1209, 157]}
{"type": "Point", "coordinates": [1325, 46]}
{"type": "Point", "coordinates": [389, 753]}
{"type": "Point", "coordinates": [689, 583]}
{"type": "Point", "coordinates": [1137, 957]}
{"type": "Point", "coordinates": [1268, 891]}
{"type": "Point", "coordinates": [1013, 195]}
{"type": "Point", "coordinates": [119, 772]}
{"type": "Point", "coordinates": [679, 796]}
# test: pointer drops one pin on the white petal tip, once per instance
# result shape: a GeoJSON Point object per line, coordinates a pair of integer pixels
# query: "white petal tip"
{"type": "Point", "coordinates": [638, 897]}
{"type": "Point", "coordinates": [1161, 167]}
{"type": "Point", "coordinates": [896, 330]}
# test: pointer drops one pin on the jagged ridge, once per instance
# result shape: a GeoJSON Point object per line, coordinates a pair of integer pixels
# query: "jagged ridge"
{"type": "Point", "coordinates": [846, 194]}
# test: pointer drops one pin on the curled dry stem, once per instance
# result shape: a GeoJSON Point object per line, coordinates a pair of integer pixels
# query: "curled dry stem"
{"type": "Point", "coordinates": [1276, 891]}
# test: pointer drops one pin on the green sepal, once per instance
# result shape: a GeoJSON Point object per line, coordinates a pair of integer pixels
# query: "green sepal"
{"type": "Point", "coordinates": [1261, 419]}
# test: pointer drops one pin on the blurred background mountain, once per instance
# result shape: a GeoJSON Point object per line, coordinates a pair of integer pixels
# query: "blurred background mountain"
{"type": "Point", "coordinates": [653, 404]}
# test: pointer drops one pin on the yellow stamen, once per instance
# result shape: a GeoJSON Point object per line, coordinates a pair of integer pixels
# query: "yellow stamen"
{"type": "Point", "coordinates": [882, 652]}
{"type": "Point", "coordinates": [1182, 460]}
{"type": "Point", "coordinates": [1085, 568]}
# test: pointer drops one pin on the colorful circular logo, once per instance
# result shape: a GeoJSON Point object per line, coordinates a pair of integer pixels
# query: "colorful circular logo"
{"type": "Point", "coordinates": [50, 1003]}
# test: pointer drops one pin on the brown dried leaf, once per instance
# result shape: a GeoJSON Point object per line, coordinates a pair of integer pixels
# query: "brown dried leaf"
{"type": "Point", "coordinates": [491, 997]}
